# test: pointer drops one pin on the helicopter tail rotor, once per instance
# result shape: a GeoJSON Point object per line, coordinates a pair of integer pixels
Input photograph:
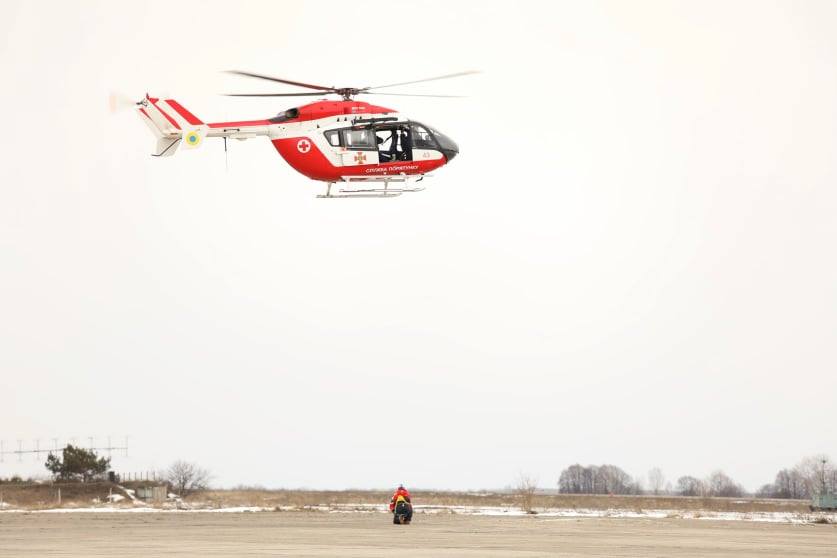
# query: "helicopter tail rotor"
{"type": "Point", "coordinates": [118, 102]}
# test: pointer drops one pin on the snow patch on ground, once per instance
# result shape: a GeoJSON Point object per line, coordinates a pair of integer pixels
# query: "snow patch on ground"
{"type": "Point", "coordinates": [112, 509]}
{"type": "Point", "coordinates": [542, 514]}
{"type": "Point", "coordinates": [768, 517]}
{"type": "Point", "coordinates": [132, 495]}
{"type": "Point", "coordinates": [558, 513]}
{"type": "Point", "coordinates": [103, 509]}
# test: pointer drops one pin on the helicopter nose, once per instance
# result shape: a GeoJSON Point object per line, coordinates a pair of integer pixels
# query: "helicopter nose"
{"type": "Point", "coordinates": [450, 151]}
{"type": "Point", "coordinates": [446, 145]}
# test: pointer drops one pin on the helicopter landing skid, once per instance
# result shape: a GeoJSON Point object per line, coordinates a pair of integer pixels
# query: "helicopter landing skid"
{"type": "Point", "coordinates": [385, 192]}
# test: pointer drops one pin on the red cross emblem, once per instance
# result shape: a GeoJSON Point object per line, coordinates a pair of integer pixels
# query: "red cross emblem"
{"type": "Point", "coordinates": [360, 158]}
{"type": "Point", "coordinates": [303, 145]}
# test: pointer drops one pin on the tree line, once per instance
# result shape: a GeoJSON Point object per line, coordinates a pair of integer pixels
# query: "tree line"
{"type": "Point", "coordinates": [597, 479]}
{"type": "Point", "coordinates": [813, 475]}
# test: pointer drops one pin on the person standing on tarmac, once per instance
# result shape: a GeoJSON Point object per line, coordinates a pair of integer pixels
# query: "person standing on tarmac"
{"type": "Point", "coordinates": [401, 505]}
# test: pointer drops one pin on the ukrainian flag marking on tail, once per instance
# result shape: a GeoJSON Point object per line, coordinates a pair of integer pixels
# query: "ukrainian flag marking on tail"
{"type": "Point", "coordinates": [192, 138]}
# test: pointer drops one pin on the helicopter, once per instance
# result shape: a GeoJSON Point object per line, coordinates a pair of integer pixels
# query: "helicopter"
{"type": "Point", "coordinates": [359, 145]}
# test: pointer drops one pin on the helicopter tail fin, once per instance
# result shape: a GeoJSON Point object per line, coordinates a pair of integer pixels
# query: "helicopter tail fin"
{"type": "Point", "coordinates": [172, 125]}
{"type": "Point", "coordinates": [183, 117]}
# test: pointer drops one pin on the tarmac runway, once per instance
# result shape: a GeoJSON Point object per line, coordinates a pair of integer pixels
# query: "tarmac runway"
{"type": "Point", "coordinates": [374, 535]}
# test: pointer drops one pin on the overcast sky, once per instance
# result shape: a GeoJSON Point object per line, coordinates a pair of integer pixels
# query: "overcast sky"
{"type": "Point", "coordinates": [631, 261]}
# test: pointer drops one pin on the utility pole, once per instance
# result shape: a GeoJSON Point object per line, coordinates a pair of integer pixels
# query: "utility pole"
{"type": "Point", "coordinates": [822, 476]}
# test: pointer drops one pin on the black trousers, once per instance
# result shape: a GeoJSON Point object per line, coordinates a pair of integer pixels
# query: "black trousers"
{"type": "Point", "coordinates": [403, 509]}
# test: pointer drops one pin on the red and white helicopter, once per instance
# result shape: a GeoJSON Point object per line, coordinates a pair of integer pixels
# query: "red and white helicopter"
{"type": "Point", "coordinates": [343, 141]}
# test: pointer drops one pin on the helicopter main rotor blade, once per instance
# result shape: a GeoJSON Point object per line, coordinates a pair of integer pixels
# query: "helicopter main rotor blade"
{"type": "Point", "coordinates": [446, 76]}
{"type": "Point", "coordinates": [413, 95]}
{"type": "Point", "coordinates": [280, 80]}
{"type": "Point", "coordinates": [318, 94]}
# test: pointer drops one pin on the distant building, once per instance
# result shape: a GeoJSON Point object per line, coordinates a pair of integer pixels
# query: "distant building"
{"type": "Point", "coordinates": [155, 494]}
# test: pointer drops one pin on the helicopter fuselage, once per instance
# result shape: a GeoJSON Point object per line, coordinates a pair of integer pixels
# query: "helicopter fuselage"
{"type": "Point", "coordinates": [329, 141]}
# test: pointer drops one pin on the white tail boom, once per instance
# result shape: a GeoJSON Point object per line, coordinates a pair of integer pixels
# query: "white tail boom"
{"type": "Point", "coordinates": [174, 126]}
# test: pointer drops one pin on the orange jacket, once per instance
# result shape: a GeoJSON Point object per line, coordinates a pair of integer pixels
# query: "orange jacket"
{"type": "Point", "coordinates": [402, 492]}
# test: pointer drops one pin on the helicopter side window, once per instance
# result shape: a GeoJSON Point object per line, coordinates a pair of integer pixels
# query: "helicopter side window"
{"type": "Point", "coordinates": [359, 139]}
{"type": "Point", "coordinates": [422, 138]}
{"type": "Point", "coordinates": [333, 137]}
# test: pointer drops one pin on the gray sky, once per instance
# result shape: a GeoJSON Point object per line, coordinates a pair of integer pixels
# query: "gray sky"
{"type": "Point", "coordinates": [631, 261]}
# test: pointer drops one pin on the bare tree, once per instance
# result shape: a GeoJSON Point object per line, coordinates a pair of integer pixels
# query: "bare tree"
{"type": "Point", "coordinates": [525, 490]}
{"type": "Point", "coordinates": [720, 484]}
{"type": "Point", "coordinates": [186, 478]}
{"type": "Point", "coordinates": [766, 491]}
{"type": "Point", "coordinates": [690, 486]}
{"type": "Point", "coordinates": [790, 483]}
{"type": "Point", "coordinates": [602, 479]}
{"type": "Point", "coordinates": [636, 487]}
{"type": "Point", "coordinates": [575, 479]}
{"type": "Point", "coordinates": [610, 479]}
{"type": "Point", "coordinates": [812, 475]}
{"type": "Point", "coordinates": [656, 480]}
{"type": "Point", "coordinates": [817, 473]}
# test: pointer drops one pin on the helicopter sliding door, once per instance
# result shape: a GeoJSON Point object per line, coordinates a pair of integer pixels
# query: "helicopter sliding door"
{"type": "Point", "coordinates": [394, 143]}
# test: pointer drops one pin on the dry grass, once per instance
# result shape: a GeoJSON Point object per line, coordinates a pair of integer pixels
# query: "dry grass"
{"type": "Point", "coordinates": [40, 496]}
{"type": "Point", "coordinates": [45, 495]}
{"type": "Point", "coordinates": [294, 498]}
{"type": "Point", "coordinates": [307, 498]}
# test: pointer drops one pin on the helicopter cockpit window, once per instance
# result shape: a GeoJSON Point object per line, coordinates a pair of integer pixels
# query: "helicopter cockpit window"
{"type": "Point", "coordinates": [387, 140]}
{"type": "Point", "coordinates": [444, 142]}
{"type": "Point", "coordinates": [394, 143]}
{"type": "Point", "coordinates": [333, 137]}
{"type": "Point", "coordinates": [359, 139]}
{"type": "Point", "coordinates": [422, 138]}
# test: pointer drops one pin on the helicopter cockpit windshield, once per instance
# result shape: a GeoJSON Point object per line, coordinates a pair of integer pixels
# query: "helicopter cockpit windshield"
{"type": "Point", "coordinates": [395, 141]}
{"type": "Point", "coordinates": [426, 137]}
